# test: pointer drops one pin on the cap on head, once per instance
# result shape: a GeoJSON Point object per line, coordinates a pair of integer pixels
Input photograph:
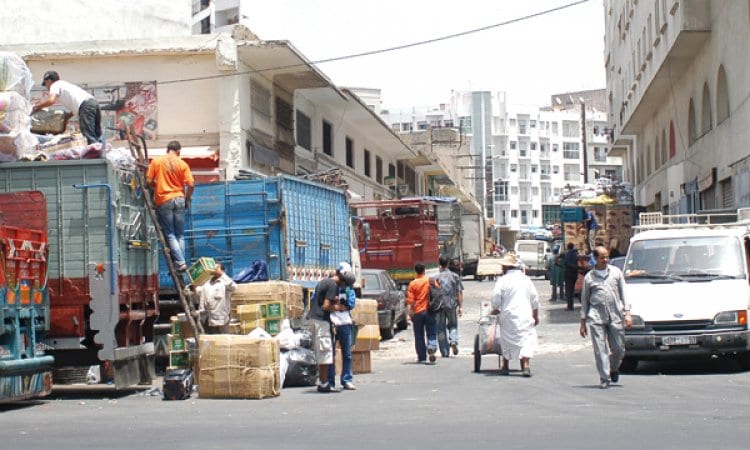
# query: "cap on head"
{"type": "Point", "coordinates": [345, 273]}
{"type": "Point", "coordinates": [50, 75]}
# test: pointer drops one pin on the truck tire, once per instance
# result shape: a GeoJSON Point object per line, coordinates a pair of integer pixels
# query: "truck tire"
{"type": "Point", "coordinates": [744, 360]}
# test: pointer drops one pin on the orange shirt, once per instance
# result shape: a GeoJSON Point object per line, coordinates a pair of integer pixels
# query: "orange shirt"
{"type": "Point", "coordinates": [418, 294]}
{"type": "Point", "coordinates": [170, 174]}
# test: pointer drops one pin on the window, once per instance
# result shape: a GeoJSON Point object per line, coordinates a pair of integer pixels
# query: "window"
{"type": "Point", "coordinates": [465, 124]}
{"type": "Point", "coordinates": [524, 217]}
{"type": "Point", "coordinates": [524, 172]}
{"type": "Point", "coordinates": [367, 163]}
{"type": "Point", "coordinates": [692, 129]}
{"type": "Point", "coordinates": [284, 114]}
{"type": "Point", "coordinates": [349, 152]}
{"type": "Point", "coordinates": [327, 138]}
{"type": "Point", "coordinates": [532, 124]}
{"type": "Point", "coordinates": [304, 131]}
{"type": "Point", "coordinates": [513, 167]}
{"type": "Point", "coordinates": [523, 148]}
{"type": "Point", "coordinates": [535, 214]}
{"type": "Point", "coordinates": [512, 123]}
{"type": "Point", "coordinates": [555, 147]}
{"type": "Point", "coordinates": [379, 169]}
{"type": "Point", "coordinates": [571, 151]}
{"type": "Point", "coordinates": [706, 122]}
{"type": "Point", "coordinates": [571, 129]}
{"type": "Point", "coordinates": [501, 191]}
{"type": "Point", "coordinates": [513, 213]}
{"type": "Point", "coordinates": [533, 145]}
{"type": "Point", "coordinates": [722, 97]}
{"type": "Point", "coordinates": [512, 145]}
{"type": "Point", "coordinates": [555, 169]}
{"type": "Point", "coordinates": [514, 190]}
{"type": "Point", "coordinates": [554, 129]}
{"type": "Point", "coordinates": [572, 172]}
{"type": "Point", "coordinates": [260, 100]}
{"type": "Point", "coordinates": [391, 171]}
{"type": "Point", "coordinates": [600, 154]}
{"type": "Point", "coordinates": [522, 126]}
{"type": "Point", "coordinates": [525, 194]}
{"type": "Point", "coordinates": [672, 143]}
{"type": "Point", "coordinates": [533, 168]}
{"type": "Point", "coordinates": [406, 127]}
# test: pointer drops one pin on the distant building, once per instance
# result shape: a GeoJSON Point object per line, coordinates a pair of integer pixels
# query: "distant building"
{"type": "Point", "coordinates": [519, 158]}
{"type": "Point", "coordinates": [677, 84]}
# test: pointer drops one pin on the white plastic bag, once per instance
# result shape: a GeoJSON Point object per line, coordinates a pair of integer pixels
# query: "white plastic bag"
{"type": "Point", "coordinates": [259, 332]}
{"type": "Point", "coordinates": [287, 339]}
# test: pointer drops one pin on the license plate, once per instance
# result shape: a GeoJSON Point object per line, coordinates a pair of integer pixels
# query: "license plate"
{"type": "Point", "coordinates": [679, 340]}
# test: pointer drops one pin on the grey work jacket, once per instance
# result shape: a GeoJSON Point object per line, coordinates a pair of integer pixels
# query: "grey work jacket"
{"type": "Point", "coordinates": [603, 299]}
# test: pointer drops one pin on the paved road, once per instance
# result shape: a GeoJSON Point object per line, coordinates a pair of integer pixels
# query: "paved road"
{"type": "Point", "coordinates": [405, 405]}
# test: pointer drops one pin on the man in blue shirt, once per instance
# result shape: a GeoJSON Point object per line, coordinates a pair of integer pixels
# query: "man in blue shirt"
{"type": "Point", "coordinates": [571, 274]}
{"type": "Point", "coordinates": [590, 226]}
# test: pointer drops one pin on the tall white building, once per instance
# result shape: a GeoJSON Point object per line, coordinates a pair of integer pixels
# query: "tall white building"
{"type": "Point", "coordinates": [677, 89]}
{"type": "Point", "coordinates": [520, 158]}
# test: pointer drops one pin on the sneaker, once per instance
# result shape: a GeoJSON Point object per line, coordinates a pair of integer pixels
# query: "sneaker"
{"type": "Point", "coordinates": [505, 371]}
{"type": "Point", "coordinates": [526, 372]}
{"type": "Point", "coordinates": [350, 387]}
{"type": "Point", "coordinates": [325, 388]}
{"type": "Point", "coordinates": [604, 384]}
{"type": "Point", "coordinates": [432, 357]}
{"type": "Point", "coordinates": [615, 376]}
{"type": "Point", "coordinates": [454, 347]}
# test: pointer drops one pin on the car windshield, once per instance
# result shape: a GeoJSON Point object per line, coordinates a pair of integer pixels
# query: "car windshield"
{"type": "Point", "coordinates": [685, 259]}
{"type": "Point", "coordinates": [372, 282]}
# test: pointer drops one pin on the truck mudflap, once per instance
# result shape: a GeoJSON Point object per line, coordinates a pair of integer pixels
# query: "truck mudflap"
{"type": "Point", "coordinates": [656, 346]}
{"type": "Point", "coordinates": [25, 378]}
{"type": "Point", "coordinates": [133, 365]}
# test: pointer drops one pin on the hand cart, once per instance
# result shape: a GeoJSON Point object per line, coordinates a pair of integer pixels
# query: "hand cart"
{"type": "Point", "coordinates": [487, 340]}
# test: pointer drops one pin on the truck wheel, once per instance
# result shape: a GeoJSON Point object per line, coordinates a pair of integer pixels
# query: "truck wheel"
{"type": "Point", "coordinates": [744, 360]}
{"type": "Point", "coordinates": [477, 355]}
{"type": "Point", "coordinates": [629, 364]}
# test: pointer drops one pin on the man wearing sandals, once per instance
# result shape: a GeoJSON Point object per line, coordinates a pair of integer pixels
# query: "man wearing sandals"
{"type": "Point", "coordinates": [516, 302]}
{"type": "Point", "coordinates": [172, 183]}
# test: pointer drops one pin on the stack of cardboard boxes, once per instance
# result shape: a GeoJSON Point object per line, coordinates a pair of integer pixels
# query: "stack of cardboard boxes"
{"type": "Point", "coordinates": [365, 315]}
{"type": "Point", "coordinates": [265, 304]}
{"type": "Point", "coordinates": [182, 343]}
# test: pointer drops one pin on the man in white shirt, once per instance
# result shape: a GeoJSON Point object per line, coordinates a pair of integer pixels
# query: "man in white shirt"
{"type": "Point", "coordinates": [75, 100]}
{"type": "Point", "coordinates": [215, 301]}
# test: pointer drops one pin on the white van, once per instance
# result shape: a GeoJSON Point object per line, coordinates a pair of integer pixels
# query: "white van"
{"type": "Point", "coordinates": [534, 254]}
{"type": "Point", "coordinates": [688, 286]}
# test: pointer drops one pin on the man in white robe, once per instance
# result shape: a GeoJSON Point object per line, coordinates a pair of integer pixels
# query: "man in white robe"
{"type": "Point", "coordinates": [516, 301]}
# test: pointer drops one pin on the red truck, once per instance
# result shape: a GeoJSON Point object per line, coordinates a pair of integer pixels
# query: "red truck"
{"type": "Point", "coordinates": [397, 234]}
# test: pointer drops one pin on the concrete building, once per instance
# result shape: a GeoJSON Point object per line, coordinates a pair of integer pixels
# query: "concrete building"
{"type": "Point", "coordinates": [678, 76]}
{"type": "Point", "coordinates": [254, 104]}
{"type": "Point", "coordinates": [518, 158]}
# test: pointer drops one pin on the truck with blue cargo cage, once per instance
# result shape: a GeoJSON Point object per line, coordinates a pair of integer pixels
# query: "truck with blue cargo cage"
{"type": "Point", "coordinates": [102, 268]}
{"type": "Point", "coordinates": [301, 230]}
{"type": "Point", "coordinates": [25, 369]}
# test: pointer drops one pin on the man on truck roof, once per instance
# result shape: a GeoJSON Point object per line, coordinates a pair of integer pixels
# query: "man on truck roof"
{"type": "Point", "coordinates": [75, 100]}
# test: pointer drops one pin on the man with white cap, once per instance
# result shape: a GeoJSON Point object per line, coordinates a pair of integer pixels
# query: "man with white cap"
{"type": "Point", "coordinates": [516, 301]}
{"type": "Point", "coordinates": [327, 302]}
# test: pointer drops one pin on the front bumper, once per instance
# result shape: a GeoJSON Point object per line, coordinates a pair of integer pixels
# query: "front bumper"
{"type": "Point", "coordinates": [652, 345]}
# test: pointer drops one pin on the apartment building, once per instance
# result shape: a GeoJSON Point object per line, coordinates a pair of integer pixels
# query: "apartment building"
{"type": "Point", "coordinates": [677, 84]}
{"type": "Point", "coordinates": [520, 157]}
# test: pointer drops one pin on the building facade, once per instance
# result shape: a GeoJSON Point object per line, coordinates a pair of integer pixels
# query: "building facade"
{"type": "Point", "coordinates": [677, 80]}
{"type": "Point", "coordinates": [519, 158]}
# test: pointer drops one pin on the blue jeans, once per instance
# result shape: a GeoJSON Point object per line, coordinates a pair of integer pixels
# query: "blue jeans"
{"type": "Point", "coordinates": [344, 337]}
{"type": "Point", "coordinates": [172, 220]}
{"type": "Point", "coordinates": [447, 329]}
{"type": "Point", "coordinates": [422, 323]}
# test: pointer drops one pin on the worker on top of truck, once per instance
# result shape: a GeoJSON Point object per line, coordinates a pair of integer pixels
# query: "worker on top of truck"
{"type": "Point", "coordinates": [589, 225]}
{"type": "Point", "coordinates": [75, 100]}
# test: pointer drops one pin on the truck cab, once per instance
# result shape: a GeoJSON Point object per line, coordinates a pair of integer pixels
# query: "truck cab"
{"type": "Point", "coordinates": [688, 285]}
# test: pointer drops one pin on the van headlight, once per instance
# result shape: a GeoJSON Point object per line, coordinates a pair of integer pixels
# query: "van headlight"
{"type": "Point", "coordinates": [637, 322]}
{"type": "Point", "coordinates": [731, 318]}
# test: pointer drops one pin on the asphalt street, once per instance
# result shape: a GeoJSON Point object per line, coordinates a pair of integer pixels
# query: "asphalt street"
{"type": "Point", "coordinates": [401, 404]}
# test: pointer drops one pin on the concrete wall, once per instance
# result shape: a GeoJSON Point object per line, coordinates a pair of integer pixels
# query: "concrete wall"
{"type": "Point", "coordinates": [44, 21]}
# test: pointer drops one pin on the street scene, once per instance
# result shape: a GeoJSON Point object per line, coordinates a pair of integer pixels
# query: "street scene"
{"type": "Point", "coordinates": [237, 224]}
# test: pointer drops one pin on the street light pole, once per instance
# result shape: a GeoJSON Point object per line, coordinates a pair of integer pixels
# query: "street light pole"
{"type": "Point", "coordinates": [583, 141]}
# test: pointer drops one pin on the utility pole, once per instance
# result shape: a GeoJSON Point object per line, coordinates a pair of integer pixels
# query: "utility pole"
{"type": "Point", "coordinates": [583, 141]}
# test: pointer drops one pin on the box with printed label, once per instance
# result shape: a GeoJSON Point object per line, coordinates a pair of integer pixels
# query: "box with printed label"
{"type": "Point", "coordinates": [201, 271]}
{"type": "Point", "coordinates": [179, 358]}
{"type": "Point", "coordinates": [273, 326]}
{"type": "Point", "coordinates": [176, 342]}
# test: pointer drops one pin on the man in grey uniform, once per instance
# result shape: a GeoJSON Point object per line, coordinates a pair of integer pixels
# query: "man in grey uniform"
{"type": "Point", "coordinates": [604, 310]}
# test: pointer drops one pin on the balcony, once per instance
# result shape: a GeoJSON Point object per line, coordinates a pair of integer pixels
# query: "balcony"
{"type": "Point", "coordinates": [685, 31]}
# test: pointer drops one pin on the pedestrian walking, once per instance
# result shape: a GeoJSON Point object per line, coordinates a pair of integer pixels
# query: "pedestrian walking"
{"type": "Point", "coordinates": [173, 184]}
{"type": "Point", "coordinates": [607, 314]}
{"type": "Point", "coordinates": [324, 302]}
{"type": "Point", "coordinates": [216, 301]}
{"type": "Point", "coordinates": [448, 285]}
{"type": "Point", "coordinates": [516, 302]}
{"type": "Point", "coordinates": [75, 100]}
{"type": "Point", "coordinates": [556, 270]}
{"type": "Point", "coordinates": [570, 262]}
{"type": "Point", "coordinates": [417, 305]}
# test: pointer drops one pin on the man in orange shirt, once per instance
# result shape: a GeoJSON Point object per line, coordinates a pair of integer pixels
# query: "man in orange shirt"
{"type": "Point", "coordinates": [417, 304]}
{"type": "Point", "coordinates": [168, 176]}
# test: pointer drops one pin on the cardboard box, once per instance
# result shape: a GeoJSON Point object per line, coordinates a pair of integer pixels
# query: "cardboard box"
{"type": "Point", "coordinates": [361, 362]}
{"type": "Point", "coordinates": [179, 358]}
{"type": "Point", "coordinates": [273, 310]}
{"type": "Point", "coordinates": [238, 367]}
{"type": "Point", "coordinates": [273, 326]}
{"type": "Point", "coordinates": [249, 312]}
{"type": "Point", "coordinates": [250, 325]}
{"type": "Point", "coordinates": [201, 271]}
{"type": "Point", "coordinates": [176, 342]}
{"type": "Point", "coordinates": [185, 329]}
{"type": "Point", "coordinates": [289, 294]}
{"type": "Point", "coordinates": [368, 338]}
{"type": "Point", "coordinates": [365, 312]}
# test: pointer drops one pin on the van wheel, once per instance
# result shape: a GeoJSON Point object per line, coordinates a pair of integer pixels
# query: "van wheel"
{"type": "Point", "coordinates": [629, 364]}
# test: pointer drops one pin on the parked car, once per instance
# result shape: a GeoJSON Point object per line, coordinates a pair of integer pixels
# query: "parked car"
{"type": "Point", "coordinates": [378, 285]}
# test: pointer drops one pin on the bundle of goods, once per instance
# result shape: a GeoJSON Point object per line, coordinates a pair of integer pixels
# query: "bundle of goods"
{"type": "Point", "coordinates": [231, 366]}
{"type": "Point", "coordinates": [265, 304]}
{"type": "Point", "coordinates": [16, 81]}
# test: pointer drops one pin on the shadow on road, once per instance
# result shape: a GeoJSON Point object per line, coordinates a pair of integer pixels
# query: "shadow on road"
{"type": "Point", "coordinates": [557, 314]}
{"type": "Point", "coordinates": [13, 406]}
{"type": "Point", "coordinates": [80, 392]}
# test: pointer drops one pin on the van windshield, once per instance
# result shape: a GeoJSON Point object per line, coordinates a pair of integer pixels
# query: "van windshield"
{"type": "Point", "coordinates": [685, 259]}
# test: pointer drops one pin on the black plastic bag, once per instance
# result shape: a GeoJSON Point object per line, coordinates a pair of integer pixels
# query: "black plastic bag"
{"type": "Point", "coordinates": [302, 369]}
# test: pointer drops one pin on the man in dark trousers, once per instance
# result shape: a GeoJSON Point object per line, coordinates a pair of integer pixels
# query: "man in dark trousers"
{"type": "Point", "coordinates": [571, 274]}
{"type": "Point", "coordinates": [75, 100]}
